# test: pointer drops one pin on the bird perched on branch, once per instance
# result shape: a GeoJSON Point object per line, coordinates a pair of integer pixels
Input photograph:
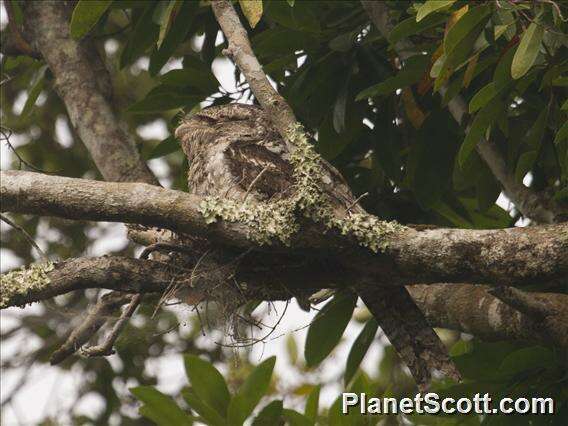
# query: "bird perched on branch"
{"type": "Point", "coordinates": [235, 153]}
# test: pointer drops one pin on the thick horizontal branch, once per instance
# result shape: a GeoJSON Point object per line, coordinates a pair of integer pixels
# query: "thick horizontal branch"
{"type": "Point", "coordinates": [496, 257]}
{"type": "Point", "coordinates": [463, 307]}
{"type": "Point", "coordinates": [473, 309]}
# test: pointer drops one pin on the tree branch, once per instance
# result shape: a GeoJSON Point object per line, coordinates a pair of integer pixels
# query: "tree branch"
{"type": "Point", "coordinates": [240, 50]}
{"type": "Point", "coordinates": [512, 256]}
{"type": "Point", "coordinates": [535, 206]}
{"type": "Point", "coordinates": [463, 307]}
{"type": "Point", "coordinates": [475, 310]}
{"type": "Point", "coordinates": [82, 89]}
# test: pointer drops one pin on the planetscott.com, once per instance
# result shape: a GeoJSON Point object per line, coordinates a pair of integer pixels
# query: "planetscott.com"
{"type": "Point", "coordinates": [432, 403]}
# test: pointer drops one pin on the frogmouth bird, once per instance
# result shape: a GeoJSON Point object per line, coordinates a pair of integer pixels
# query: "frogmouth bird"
{"type": "Point", "coordinates": [236, 153]}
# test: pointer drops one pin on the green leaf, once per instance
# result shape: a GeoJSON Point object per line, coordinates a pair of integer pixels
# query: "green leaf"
{"type": "Point", "coordinates": [291, 2]}
{"type": "Point", "coordinates": [250, 392]}
{"type": "Point", "coordinates": [410, 27]}
{"type": "Point", "coordinates": [165, 147]}
{"type": "Point", "coordinates": [432, 6]}
{"type": "Point", "coordinates": [486, 94]}
{"type": "Point", "coordinates": [86, 15]}
{"type": "Point", "coordinates": [180, 24]}
{"type": "Point", "coordinates": [165, 17]}
{"type": "Point", "coordinates": [37, 85]}
{"type": "Point", "coordinates": [164, 98]}
{"type": "Point", "coordinates": [562, 134]}
{"type": "Point", "coordinates": [161, 408]}
{"type": "Point", "coordinates": [565, 105]}
{"type": "Point", "coordinates": [469, 23]}
{"type": "Point", "coordinates": [328, 326]}
{"type": "Point", "coordinates": [525, 359]}
{"type": "Point", "coordinates": [143, 35]}
{"type": "Point", "coordinates": [527, 51]}
{"type": "Point", "coordinates": [359, 349]}
{"type": "Point", "coordinates": [202, 408]}
{"type": "Point", "coordinates": [252, 9]}
{"type": "Point", "coordinates": [533, 143]}
{"type": "Point", "coordinates": [207, 383]}
{"type": "Point", "coordinates": [312, 405]}
{"type": "Point", "coordinates": [487, 188]}
{"type": "Point", "coordinates": [295, 419]}
{"type": "Point", "coordinates": [484, 118]}
{"type": "Point", "coordinates": [411, 73]}
{"type": "Point", "coordinates": [437, 143]}
{"type": "Point", "coordinates": [202, 80]}
{"type": "Point", "coordinates": [270, 415]}
{"type": "Point", "coordinates": [460, 40]}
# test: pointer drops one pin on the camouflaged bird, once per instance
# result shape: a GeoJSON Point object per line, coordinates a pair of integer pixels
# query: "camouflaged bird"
{"type": "Point", "coordinates": [235, 152]}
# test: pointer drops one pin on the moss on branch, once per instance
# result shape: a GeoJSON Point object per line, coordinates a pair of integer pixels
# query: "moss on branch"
{"type": "Point", "coordinates": [278, 219]}
{"type": "Point", "coordinates": [17, 284]}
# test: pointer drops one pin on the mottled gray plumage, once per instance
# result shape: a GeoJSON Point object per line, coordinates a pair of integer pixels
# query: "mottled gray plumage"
{"type": "Point", "coordinates": [228, 147]}
{"type": "Point", "coordinates": [235, 152]}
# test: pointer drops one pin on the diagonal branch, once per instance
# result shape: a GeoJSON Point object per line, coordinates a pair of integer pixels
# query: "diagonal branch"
{"type": "Point", "coordinates": [82, 83]}
{"type": "Point", "coordinates": [535, 206]}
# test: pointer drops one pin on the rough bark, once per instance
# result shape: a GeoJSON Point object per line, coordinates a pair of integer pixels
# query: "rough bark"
{"type": "Point", "coordinates": [473, 309]}
{"type": "Point", "coordinates": [464, 307]}
{"type": "Point", "coordinates": [535, 206]}
{"type": "Point", "coordinates": [240, 50]}
{"type": "Point", "coordinates": [499, 257]}
{"type": "Point", "coordinates": [79, 81]}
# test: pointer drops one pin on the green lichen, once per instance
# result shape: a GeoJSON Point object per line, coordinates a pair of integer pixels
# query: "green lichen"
{"type": "Point", "coordinates": [16, 285]}
{"type": "Point", "coordinates": [278, 219]}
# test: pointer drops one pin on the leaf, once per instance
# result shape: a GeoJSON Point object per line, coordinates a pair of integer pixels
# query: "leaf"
{"type": "Point", "coordinates": [434, 152]}
{"type": "Point", "coordinates": [291, 2]}
{"type": "Point", "coordinates": [328, 326]}
{"type": "Point", "coordinates": [295, 419]}
{"type": "Point", "coordinates": [142, 36]}
{"type": "Point", "coordinates": [165, 147]}
{"type": "Point", "coordinates": [487, 188]}
{"type": "Point", "coordinates": [203, 80]}
{"type": "Point", "coordinates": [413, 111]}
{"type": "Point", "coordinates": [410, 27]}
{"type": "Point", "coordinates": [181, 21]}
{"type": "Point", "coordinates": [270, 415]}
{"type": "Point", "coordinates": [166, 18]}
{"type": "Point", "coordinates": [459, 42]}
{"type": "Point", "coordinates": [202, 408]}
{"type": "Point", "coordinates": [207, 383]}
{"type": "Point", "coordinates": [486, 95]}
{"type": "Point", "coordinates": [164, 98]}
{"type": "Point", "coordinates": [484, 118]}
{"type": "Point", "coordinates": [292, 348]}
{"type": "Point", "coordinates": [37, 85]}
{"type": "Point", "coordinates": [531, 358]}
{"type": "Point", "coordinates": [565, 105]}
{"type": "Point", "coordinates": [562, 134]}
{"type": "Point", "coordinates": [161, 408]}
{"type": "Point", "coordinates": [411, 73]}
{"type": "Point", "coordinates": [359, 349]}
{"type": "Point", "coordinates": [470, 71]}
{"type": "Point", "coordinates": [252, 9]}
{"type": "Point", "coordinates": [339, 108]}
{"type": "Point", "coordinates": [251, 391]}
{"type": "Point", "coordinates": [86, 15]}
{"type": "Point", "coordinates": [432, 6]}
{"type": "Point", "coordinates": [527, 51]}
{"type": "Point", "coordinates": [312, 404]}
{"type": "Point", "coordinates": [533, 142]}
